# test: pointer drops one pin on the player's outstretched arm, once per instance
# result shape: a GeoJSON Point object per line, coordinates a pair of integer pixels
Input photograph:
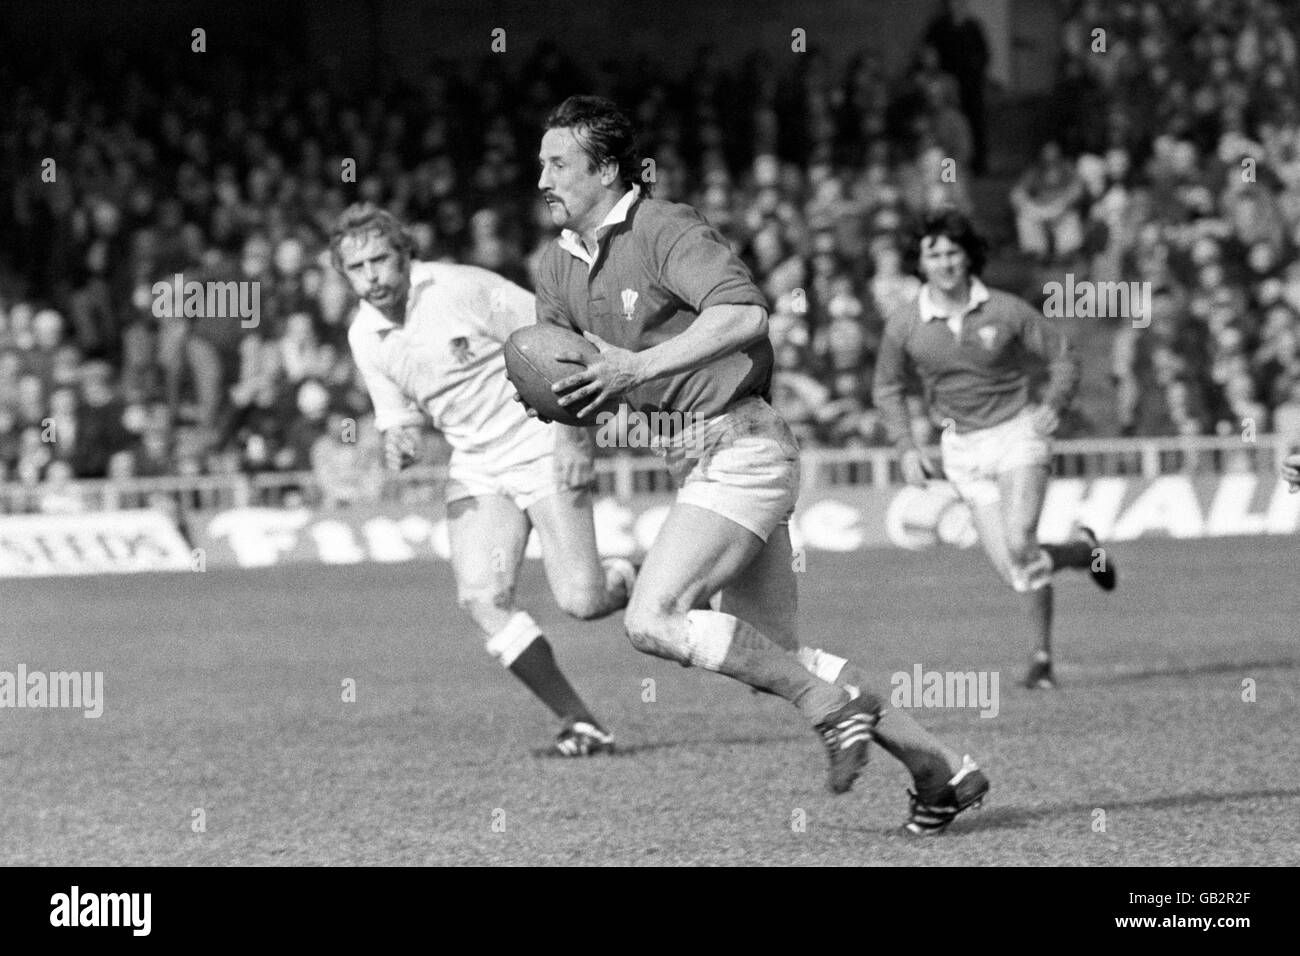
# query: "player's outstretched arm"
{"type": "Point", "coordinates": [1043, 338]}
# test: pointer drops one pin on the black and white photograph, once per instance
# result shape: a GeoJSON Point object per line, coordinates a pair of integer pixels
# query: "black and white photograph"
{"type": "Point", "coordinates": [671, 433]}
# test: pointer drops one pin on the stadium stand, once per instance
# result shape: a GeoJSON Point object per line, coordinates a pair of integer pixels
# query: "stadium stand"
{"type": "Point", "coordinates": [814, 181]}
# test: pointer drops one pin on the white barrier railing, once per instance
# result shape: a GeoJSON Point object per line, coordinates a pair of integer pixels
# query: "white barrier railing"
{"type": "Point", "coordinates": [628, 476]}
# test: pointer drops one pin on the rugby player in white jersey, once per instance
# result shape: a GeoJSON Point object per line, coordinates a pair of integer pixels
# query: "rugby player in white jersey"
{"type": "Point", "coordinates": [427, 338]}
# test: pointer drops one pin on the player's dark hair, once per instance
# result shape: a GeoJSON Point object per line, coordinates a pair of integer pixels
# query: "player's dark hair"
{"type": "Point", "coordinates": [605, 134]}
{"type": "Point", "coordinates": [366, 219]}
{"type": "Point", "coordinates": [946, 224]}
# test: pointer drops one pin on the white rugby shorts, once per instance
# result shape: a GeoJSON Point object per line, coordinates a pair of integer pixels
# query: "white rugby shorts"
{"type": "Point", "coordinates": [742, 464]}
{"type": "Point", "coordinates": [973, 460]}
{"type": "Point", "coordinates": [525, 475]}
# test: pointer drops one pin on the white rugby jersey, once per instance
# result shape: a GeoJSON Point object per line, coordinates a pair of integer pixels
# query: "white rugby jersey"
{"type": "Point", "coordinates": [448, 360]}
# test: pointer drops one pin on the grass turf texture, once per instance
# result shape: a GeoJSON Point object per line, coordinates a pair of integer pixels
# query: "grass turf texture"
{"type": "Point", "coordinates": [223, 691]}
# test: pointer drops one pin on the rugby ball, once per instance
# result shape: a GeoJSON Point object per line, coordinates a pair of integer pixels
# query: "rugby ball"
{"type": "Point", "coordinates": [532, 368]}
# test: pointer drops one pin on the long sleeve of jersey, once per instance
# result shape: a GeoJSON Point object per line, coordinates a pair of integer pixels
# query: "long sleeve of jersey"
{"type": "Point", "coordinates": [888, 386]}
{"type": "Point", "coordinates": [1043, 338]}
{"type": "Point", "coordinates": [392, 408]}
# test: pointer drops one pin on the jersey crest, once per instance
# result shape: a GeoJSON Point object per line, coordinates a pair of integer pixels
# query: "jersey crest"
{"type": "Point", "coordinates": [460, 350]}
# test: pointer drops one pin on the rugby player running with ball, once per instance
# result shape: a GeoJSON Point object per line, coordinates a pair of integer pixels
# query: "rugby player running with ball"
{"type": "Point", "coordinates": [682, 330]}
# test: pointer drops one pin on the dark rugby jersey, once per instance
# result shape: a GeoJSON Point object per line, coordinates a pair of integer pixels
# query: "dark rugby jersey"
{"type": "Point", "coordinates": [977, 378]}
{"type": "Point", "coordinates": [658, 266]}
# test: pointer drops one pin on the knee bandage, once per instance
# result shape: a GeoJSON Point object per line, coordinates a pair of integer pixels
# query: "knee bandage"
{"type": "Point", "coordinates": [708, 638]}
{"type": "Point", "coordinates": [512, 640]}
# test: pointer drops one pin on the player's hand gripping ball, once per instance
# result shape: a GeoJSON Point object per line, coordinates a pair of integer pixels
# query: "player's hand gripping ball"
{"type": "Point", "coordinates": [538, 356]}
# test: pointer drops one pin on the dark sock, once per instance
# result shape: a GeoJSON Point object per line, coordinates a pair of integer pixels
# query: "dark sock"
{"type": "Point", "coordinates": [537, 669]}
{"type": "Point", "coordinates": [725, 644]}
{"type": "Point", "coordinates": [1072, 554]}
{"type": "Point", "coordinates": [755, 660]}
{"type": "Point", "coordinates": [926, 758]}
{"type": "Point", "coordinates": [1039, 604]}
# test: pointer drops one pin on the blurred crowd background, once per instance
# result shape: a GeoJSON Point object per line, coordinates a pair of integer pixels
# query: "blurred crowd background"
{"type": "Point", "coordinates": [1174, 158]}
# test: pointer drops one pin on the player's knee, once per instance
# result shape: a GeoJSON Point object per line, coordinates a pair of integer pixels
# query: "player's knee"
{"type": "Point", "coordinates": [647, 626]}
{"type": "Point", "coordinates": [584, 601]}
{"type": "Point", "coordinates": [640, 626]}
{"type": "Point", "coordinates": [1022, 546]}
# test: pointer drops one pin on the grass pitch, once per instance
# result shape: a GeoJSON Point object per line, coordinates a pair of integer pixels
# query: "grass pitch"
{"type": "Point", "coordinates": [223, 693]}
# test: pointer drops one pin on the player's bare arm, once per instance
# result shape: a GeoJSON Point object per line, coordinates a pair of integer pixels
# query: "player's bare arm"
{"type": "Point", "coordinates": [1042, 338]}
{"type": "Point", "coordinates": [718, 330]}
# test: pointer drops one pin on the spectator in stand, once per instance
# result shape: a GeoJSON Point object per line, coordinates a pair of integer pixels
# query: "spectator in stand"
{"type": "Point", "coordinates": [1046, 201]}
{"type": "Point", "coordinates": [812, 179]}
{"type": "Point", "coordinates": [892, 288]}
{"type": "Point", "coordinates": [10, 372]}
{"type": "Point", "coordinates": [47, 333]}
{"type": "Point", "coordinates": [99, 423]}
{"type": "Point", "coordinates": [347, 462]}
{"type": "Point", "coordinates": [64, 429]}
{"type": "Point", "coordinates": [958, 39]}
{"type": "Point", "coordinates": [58, 494]}
{"type": "Point", "coordinates": [31, 404]}
{"type": "Point", "coordinates": [305, 429]}
{"type": "Point", "coordinates": [10, 445]}
{"type": "Point", "coordinates": [948, 127]}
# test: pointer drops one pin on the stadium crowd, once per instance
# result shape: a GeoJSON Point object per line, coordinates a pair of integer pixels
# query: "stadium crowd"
{"type": "Point", "coordinates": [237, 173]}
{"type": "Point", "coordinates": [1184, 116]}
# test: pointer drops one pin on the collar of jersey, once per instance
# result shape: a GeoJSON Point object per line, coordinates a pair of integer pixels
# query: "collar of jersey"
{"type": "Point", "coordinates": [382, 323]}
{"type": "Point", "coordinates": [571, 243]}
{"type": "Point", "coordinates": [979, 294]}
